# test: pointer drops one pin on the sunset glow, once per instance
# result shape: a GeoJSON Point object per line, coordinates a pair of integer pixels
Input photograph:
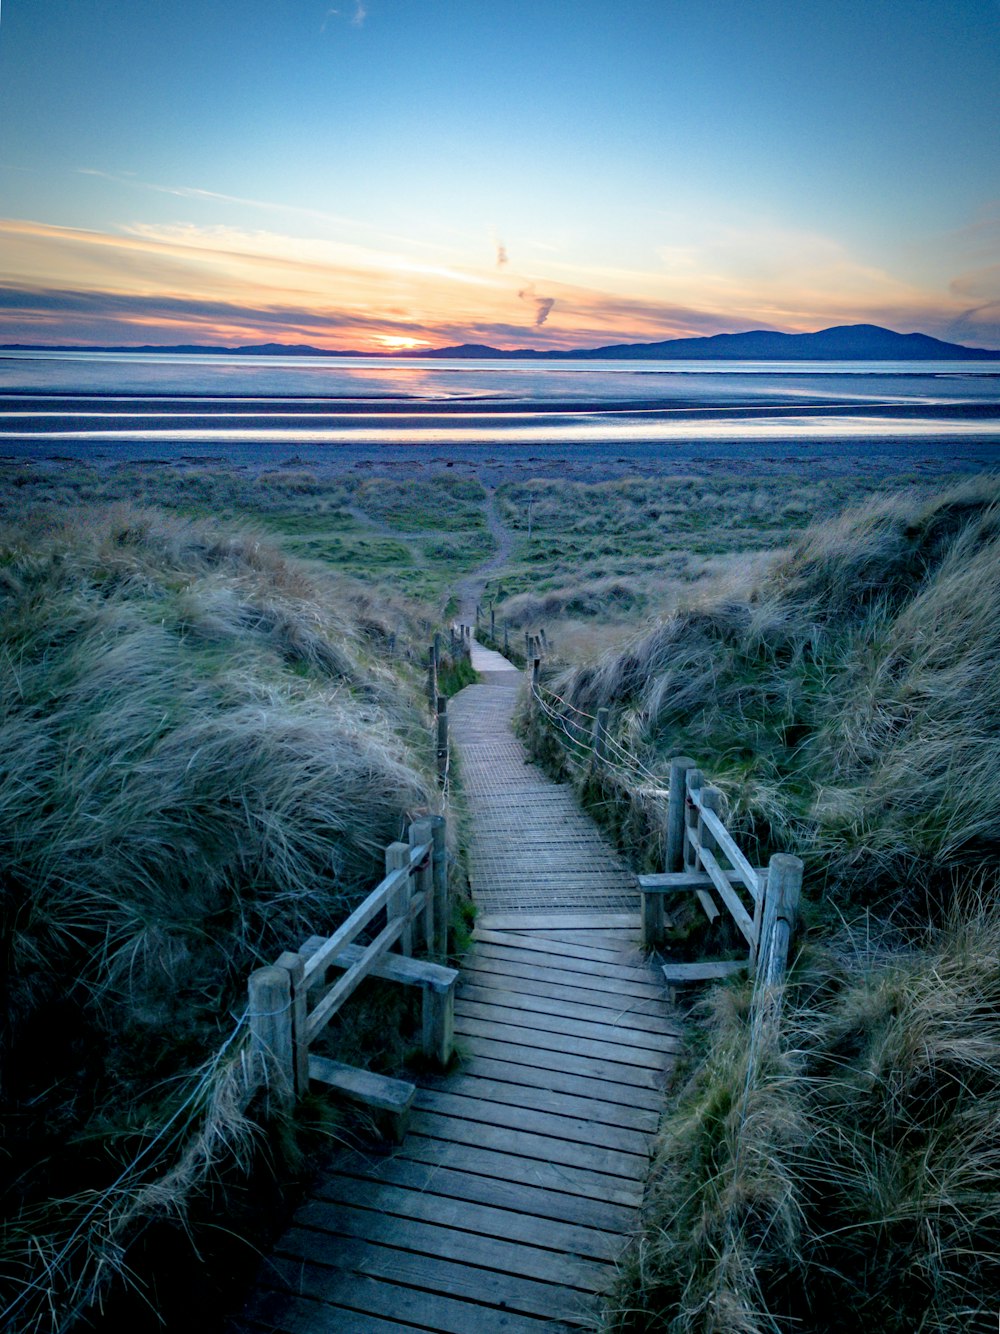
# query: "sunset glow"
{"type": "Point", "coordinates": [664, 171]}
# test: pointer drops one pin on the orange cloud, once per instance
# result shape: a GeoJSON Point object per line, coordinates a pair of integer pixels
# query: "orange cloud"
{"type": "Point", "coordinates": [179, 283]}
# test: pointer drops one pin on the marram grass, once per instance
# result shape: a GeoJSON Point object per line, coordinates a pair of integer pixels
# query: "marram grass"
{"type": "Point", "coordinates": [848, 707]}
{"type": "Point", "coordinates": [201, 761]}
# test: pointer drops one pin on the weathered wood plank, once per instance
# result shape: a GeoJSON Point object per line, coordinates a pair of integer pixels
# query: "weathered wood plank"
{"type": "Point", "coordinates": [370, 1305]}
{"type": "Point", "coordinates": [564, 921]}
{"type": "Point", "coordinates": [749, 875]}
{"type": "Point", "coordinates": [509, 1026]}
{"type": "Point", "coordinates": [507, 1164]}
{"type": "Point", "coordinates": [539, 1201]}
{"type": "Point", "coordinates": [535, 950]}
{"type": "Point", "coordinates": [447, 1243]}
{"type": "Point", "coordinates": [309, 1261]}
{"type": "Point", "coordinates": [630, 1167]}
{"type": "Point", "coordinates": [620, 1018]}
{"type": "Point", "coordinates": [643, 1011]}
{"type": "Point", "coordinates": [558, 1124]}
{"type": "Point", "coordinates": [703, 970]}
{"type": "Point", "coordinates": [486, 959]}
{"type": "Point", "coordinates": [480, 1040]}
{"type": "Point", "coordinates": [585, 1103]}
{"type": "Point", "coordinates": [627, 964]}
{"type": "Point", "coordinates": [483, 1219]}
{"type": "Point", "coordinates": [282, 1312]}
{"type": "Point", "coordinates": [480, 1063]}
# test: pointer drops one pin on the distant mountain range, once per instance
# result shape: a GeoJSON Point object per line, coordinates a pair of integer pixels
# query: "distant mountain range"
{"type": "Point", "coordinates": [846, 342]}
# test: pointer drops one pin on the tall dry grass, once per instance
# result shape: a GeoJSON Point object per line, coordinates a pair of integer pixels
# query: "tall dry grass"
{"type": "Point", "coordinates": [849, 709]}
{"type": "Point", "coordinates": [202, 757]}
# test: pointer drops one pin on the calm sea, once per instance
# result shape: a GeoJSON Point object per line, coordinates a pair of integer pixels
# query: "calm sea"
{"type": "Point", "coordinates": [113, 405]}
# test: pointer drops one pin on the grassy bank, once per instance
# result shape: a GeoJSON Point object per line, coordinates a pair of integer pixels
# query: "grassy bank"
{"type": "Point", "coordinates": [848, 708]}
{"type": "Point", "coordinates": [595, 559]}
{"type": "Point", "coordinates": [401, 533]}
{"type": "Point", "coordinates": [205, 749]}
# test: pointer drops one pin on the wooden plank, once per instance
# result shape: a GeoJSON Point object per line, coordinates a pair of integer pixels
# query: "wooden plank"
{"type": "Point", "coordinates": [668, 882]}
{"type": "Point", "coordinates": [447, 1243]}
{"type": "Point", "coordinates": [750, 875]}
{"type": "Point", "coordinates": [348, 931]}
{"type": "Point", "coordinates": [703, 970]}
{"type": "Point", "coordinates": [480, 1040]}
{"type": "Point", "coordinates": [630, 1167]}
{"type": "Point", "coordinates": [359, 1298]}
{"type": "Point", "coordinates": [538, 1201]}
{"type": "Point", "coordinates": [309, 1263]}
{"type": "Point", "coordinates": [283, 1312]}
{"type": "Point", "coordinates": [511, 1166]}
{"type": "Point", "coordinates": [526, 921]}
{"type": "Point", "coordinates": [482, 1219]}
{"type": "Point", "coordinates": [628, 1047]}
{"type": "Point", "coordinates": [560, 1125]}
{"type": "Point", "coordinates": [497, 961]}
{"type": "Point", "coordinates": [723, 888]}
{"type": "Point", "coordinates": [392, 967]}
{"type": "Point", "coordinates": [620, 941]}
{"type": "Point", "coordinates": [649, 1011]}
{"type": "Point", "coordinates": [584, 1104]}
{"type": "Point", "coordinates": [390, 1095]}
{"type": "Point", "coordinates": [536, 1002]}
{"type": "Point", "coordinates": [708, 905]}
{"type": "Point", "coordinates": [379, 947]}
{"type": "Point", "coordinates": [477, 1065]}
{"type": "Point", "coordinates": [535, 950]}
{"type": "Point", "coordinates": [626, 960]}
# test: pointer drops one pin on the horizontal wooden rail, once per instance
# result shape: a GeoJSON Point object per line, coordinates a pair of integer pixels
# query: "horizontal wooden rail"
{"type": "Point", "coordinates": [349, 931]}
{"type": "Point", "coordinates": [293, 1001]}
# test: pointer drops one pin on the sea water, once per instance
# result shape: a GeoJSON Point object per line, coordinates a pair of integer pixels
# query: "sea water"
{"type": "Point", "coordinates": [86, 404]}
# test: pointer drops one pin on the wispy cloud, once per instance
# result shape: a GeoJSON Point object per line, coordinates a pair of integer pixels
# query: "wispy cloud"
{"type": "Point", "coordinates": [502, 257]}
{"type": "Point", "coordinates": [542, 304]}
{"type": "Point", "coordinates": [354, 17]}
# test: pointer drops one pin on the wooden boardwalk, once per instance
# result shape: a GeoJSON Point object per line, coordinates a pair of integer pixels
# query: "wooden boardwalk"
{"type": "Point", "coordinates": [517, 1187]}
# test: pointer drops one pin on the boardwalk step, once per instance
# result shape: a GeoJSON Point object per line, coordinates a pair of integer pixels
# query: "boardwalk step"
{"type": "Point", "coordinates": [393, 1096]}
{"type": "Point", "coordinates": [706, 970]}
{"type": "Point", "coordinates": [563, 921]}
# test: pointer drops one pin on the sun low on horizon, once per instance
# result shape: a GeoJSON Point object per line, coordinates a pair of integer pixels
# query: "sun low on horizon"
{"type": "Point", "coordinates": [398, 176]}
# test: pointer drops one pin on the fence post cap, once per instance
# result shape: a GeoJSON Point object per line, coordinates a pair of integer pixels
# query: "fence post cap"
{"type": "Point", "coordinates": [785, 861]}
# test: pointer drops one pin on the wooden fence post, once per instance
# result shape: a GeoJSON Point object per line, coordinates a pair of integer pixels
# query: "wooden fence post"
{"type": "Point", "coordinates": [493, 624]}
{"type": "Point", "coordinates": [442, 908]}
{"type": "Point", "coordinates": [442, 739]}
{"type": "Point", "coordinates": [299, 1011]}
{"type": "Point", "coordinates": [781, 905]}
{"type": "Point", "coordinates": [432, 682]}
{"type": "Point", "coordinates": [536, 668]}
{"type": "Point", "coordinates": [397, 855]}
{"type": "Point", "coordinates": [692, 782]}
{"type": "Point", "coordinates": [527, 645]}
{"type": "Point", "coordinates": [271, 1041]}
{"type": "Point", "coordinates": [653, 919]}
{"type": "Point", "coordinates": [679, 767]}
{"type": "Point", "coordinates": [541, 636]}
{"type": "Point", "coordinates": [506, 636]}
{"type": "Point", "coordinates": [421, 832]}
{"type": "Point", "coordinates": [437, 650]}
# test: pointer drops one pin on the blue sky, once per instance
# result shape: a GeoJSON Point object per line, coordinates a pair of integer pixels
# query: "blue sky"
{"type": "Point", "coordinates": [382, 173]}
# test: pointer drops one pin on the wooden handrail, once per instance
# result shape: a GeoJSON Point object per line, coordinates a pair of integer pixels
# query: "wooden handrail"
{"type": "Point", "coordinates": [348, 931]}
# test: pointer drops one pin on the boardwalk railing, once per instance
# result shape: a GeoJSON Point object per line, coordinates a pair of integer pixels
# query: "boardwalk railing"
{"type": "Point", "coordinates": [702, 855]}
{"type": "Point", "coordinates": [292, 1001]}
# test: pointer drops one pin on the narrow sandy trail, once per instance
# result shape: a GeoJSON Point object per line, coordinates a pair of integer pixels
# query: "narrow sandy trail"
{"type": "Point", "coordinates": [469, 589]}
